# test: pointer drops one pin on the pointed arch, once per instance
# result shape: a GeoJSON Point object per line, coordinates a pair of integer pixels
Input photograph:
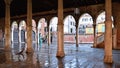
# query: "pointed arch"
{"type": "Point", "coordinates": [100, 25]}
{"type": "Point", "coordinates": [69, 25]}
{"type": "Point", "coordinates": [22, 25]}
{"type": "Point", "coordinates": [34, 30]}
{"type": "Point", "coordinates": [53, 24]}
{"type": "Point", "coordinates": [85, 24]}
{"type": "Point", "coordinates": [53, 29]}
{"type": "Point", "coordinates": [22, 31]}
{"type": "Point", "coordinates": [42, 28]}
{"type": "Point", "coordinates": [85, 28]}
{"type": "Point", "coordinates": [14, 32]}
{"type": "Point", "coordinates": [42, 24]}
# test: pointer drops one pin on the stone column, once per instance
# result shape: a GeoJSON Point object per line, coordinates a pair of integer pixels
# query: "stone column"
{"type": "Point", "coordinates": [116, 31]}
{"type": "Point", "coordinates": [29, 26]}
{"type": "Point", "coordinates": [48, 34]}
{"type": "Point", "coordinates": [7, 25]}
{"type": "Point", "coordinates": [95, 39]}
{"type": "Point", "coordinates": [77, 37]}
{"type": "Point", "coordinates": [60, 34]}
{"type": "Point", "coordinates": [108, 32]}
{"type": "Point", "coordinates": [77, 13]}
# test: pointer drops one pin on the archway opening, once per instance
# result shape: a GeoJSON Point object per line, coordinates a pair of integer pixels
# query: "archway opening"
{"type": "Point", "coordinates": [53, 30]}
{"type": "Point", "coordinates": [14, 32]}
{"type": "Point", "coordinates": [100, 28]}
{"type": "Point", "coordinates": [86, 29]}
{"type": "Point", "coordinates": [22, 32]}
{"type": "Point", "coordinates": [42, 30]}
{"type": "Point", "coordinates": [34, 31]}
{"type": "Point", "coordinates": [69, 29]}
{"type": "Point", "coordinates": [100, 23]}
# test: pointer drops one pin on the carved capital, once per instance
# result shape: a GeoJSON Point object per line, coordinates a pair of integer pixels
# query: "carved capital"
{"type": "Point", "coordinates": [8, 2]}
{"type": "Point", "coordinates": [94, 24]}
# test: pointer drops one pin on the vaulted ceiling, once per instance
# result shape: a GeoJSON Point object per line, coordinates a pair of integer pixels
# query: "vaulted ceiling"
{"type": "Point", "coordinates": [19, 7]}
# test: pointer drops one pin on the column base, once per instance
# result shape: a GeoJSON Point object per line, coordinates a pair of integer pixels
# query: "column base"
{"type": "Point", "coordinates": [108, 59]}
{"type": "Point", "coordinates": [77, 45]}
{"type": "Point", "coordinates": [94, 45]}
{"type": "Point", "coordinates": [48, 44]}
{"type": "Point", "coordinates": [29, 50]}
{"type": "Point", "coordinates": [60, 54]}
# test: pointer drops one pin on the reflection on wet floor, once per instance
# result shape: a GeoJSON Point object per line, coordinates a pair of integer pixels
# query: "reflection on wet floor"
{"type": "Point", "coordinates": [45, 57]}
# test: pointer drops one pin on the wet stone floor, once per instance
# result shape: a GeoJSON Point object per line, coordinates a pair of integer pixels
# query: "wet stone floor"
{"type": "Point", "coordinates": [45, 57]}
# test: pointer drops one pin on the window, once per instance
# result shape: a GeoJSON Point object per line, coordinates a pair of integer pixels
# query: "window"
{"type": "Point", "coordinates": [71, 22]}
{"type": "Point", "coordinates": [71, 30]}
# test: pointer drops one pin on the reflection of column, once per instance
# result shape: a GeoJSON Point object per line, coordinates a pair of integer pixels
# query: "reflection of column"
{"type": "Point", "coordinates": [29, 60]}
{"type": "Point", "coordinates": [95, 41]}
{"type": "Point", "coordinates": [60, 47]}
{"type": "Point", "coordinates": [29, 26]}
{"type": "Point", "coordinates": [108, 33]}
{"type": "Point", "coordinates": [7, 24]}
{"type": "Point", "coordinates": [8, 57]}
{"type": "Point", "coordinates": [60, 63]}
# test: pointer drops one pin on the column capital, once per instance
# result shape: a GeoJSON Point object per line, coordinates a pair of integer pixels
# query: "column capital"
{"type": "Point", "coordinates": [94, 24]}
{"type": "Point", "coordinates": [8, 2]}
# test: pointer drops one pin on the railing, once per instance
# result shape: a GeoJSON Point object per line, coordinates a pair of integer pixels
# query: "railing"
{"type": "Point", "coordinates": [100, 38]}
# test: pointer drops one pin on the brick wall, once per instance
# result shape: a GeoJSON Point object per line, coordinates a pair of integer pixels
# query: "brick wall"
{"type": "Point", "coordinates": [82, 38]}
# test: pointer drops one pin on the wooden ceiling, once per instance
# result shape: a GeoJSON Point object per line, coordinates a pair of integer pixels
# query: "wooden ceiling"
{"type": "Point", "coordinates": [19, 7]}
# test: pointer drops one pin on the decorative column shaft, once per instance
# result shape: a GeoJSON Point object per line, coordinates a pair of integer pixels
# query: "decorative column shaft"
{"type": "Point", "coordinates": [29, 26]}
{"type": "Point", "coordinates": [77, 12]}
{"type": "Point", "coordinates": [48, 34]}
{"type": "Point", "coordinates": [95, 39]}
{"type": "Point", "coordinates": [77, 37]}
{"type": "Point", "coordinates": [108, 32]}
{"type": "Point", "coordinates": [60, 36]}
{"type": "Point", "coordinates": [7, 25]}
